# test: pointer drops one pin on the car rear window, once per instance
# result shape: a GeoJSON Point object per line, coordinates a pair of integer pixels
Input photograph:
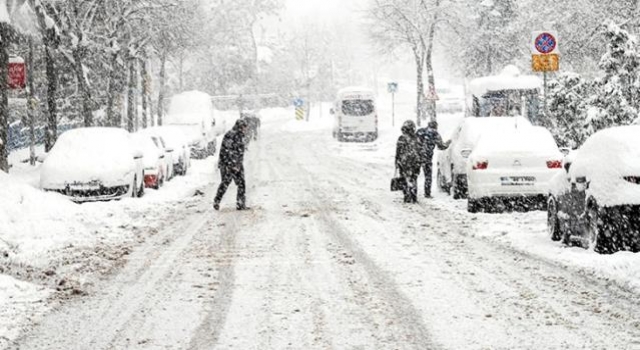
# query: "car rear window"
{"type": "Point", "coordinates": [357, 108]}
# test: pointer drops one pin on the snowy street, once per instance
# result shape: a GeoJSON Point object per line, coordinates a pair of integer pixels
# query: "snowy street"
{"type": "Point", "coordinates": [328, 258]}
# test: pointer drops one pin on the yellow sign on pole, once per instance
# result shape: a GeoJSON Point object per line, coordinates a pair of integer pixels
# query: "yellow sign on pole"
{"type": "Point", "coordinates": [545, 63]}
{"type": "Point", "coordinates": [300, 113]}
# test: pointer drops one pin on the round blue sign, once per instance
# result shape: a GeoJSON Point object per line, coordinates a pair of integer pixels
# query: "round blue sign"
{"type": "Point", "coordinates": [545, 43]}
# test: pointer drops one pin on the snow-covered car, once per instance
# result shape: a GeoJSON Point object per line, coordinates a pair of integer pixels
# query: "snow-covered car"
{"type": "Point", "coordinates": [452, 173]}
{"type": "Point", "coordinates": [94, 164]}
{"type": "Point", "coordinates": [519, 164]}
{"type": "Point", "coordinates": [191, 113]}
{"type": "Point", "coordinates": [596, 202]}
{"type": "Point", "coordinates": [168, 155]}
{"type": "Point", "coordinates": [174, 140]}
{"type": "Point", "coordinates": [153, 160]}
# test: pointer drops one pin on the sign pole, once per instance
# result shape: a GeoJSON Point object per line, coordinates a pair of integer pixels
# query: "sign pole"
{"type": "Point", "coordinates": [393, 109]}
{"type": "Point", "coordinates": [544, 101]}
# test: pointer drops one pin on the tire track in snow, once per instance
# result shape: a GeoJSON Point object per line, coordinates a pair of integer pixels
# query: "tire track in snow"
{"type": "Point", "coordinates": [398, 320]}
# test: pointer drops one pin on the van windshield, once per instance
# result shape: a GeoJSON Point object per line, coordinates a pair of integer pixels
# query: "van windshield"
{"type": "Point", "coordinates": [358, 108]}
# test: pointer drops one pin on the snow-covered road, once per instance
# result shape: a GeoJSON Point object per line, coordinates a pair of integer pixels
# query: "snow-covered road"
{"type": "Point", "coordinates": [330, 259]}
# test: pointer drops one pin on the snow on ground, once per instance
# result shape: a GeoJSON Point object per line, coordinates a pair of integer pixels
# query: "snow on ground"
{"type": "Point", "coordinates": [45, 240]}
{"type": "Point", "coordinates": [60, 245]}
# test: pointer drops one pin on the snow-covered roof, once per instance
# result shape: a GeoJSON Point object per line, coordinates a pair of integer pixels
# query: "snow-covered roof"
{"type": "Point", "coordinates": [355, 90]}
{"type": "Point", "coordinates": [509, 79]}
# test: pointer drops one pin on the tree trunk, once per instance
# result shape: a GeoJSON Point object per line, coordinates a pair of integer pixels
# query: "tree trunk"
{"type": "Point", "coordinates": [83, 89]}
{"type": "Point", "coordinates": [51, 133]}
{"type": "Point", "coordinates": [32, 105]}
{"type": "Point", "coordinates": [163, 67]}
{"type": "Point", "coordinates": [113, 118]}
{"type": "Point", "coordinates": [419, 85]}
{"type": "Point", "coordinates": [131, 100]}
{"type": "Point", "coordinates": [431, 104]}
{"type": "Point", "coordinates": [4, 97]}
{"type": "Point", "coordinates": [145, 92]}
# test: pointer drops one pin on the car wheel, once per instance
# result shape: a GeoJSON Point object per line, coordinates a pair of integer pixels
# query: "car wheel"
{"type": "Point", "coordinates": [134, 187]}
{"type": "Point", "coordinates": [474, 205]}
{"type": "Point", "coordinates": [442, 182]}
{"type": "Point", "coordinates": [141, 188]}
{"type": "Point", "coordinates": [456, 193]}
{"type": "Point", "coordinates": [598, 233]}
{"type": "Point", "coordinates": [553, 223]}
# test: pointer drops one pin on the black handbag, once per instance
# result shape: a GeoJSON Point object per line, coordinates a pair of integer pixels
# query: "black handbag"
{"type": "Point", "coordinates": [398, 183]}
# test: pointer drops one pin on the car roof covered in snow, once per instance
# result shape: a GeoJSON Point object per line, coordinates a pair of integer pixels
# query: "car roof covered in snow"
{"type": "Point", "coordinates": [535, 139]}
{"type": "Point", "coordinates": [474, 127]}
{"type": "Point", "coordinates": [605, 159]}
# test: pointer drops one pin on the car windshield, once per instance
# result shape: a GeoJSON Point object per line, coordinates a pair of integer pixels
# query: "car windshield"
{"type": "Point", "coordinates": [357, 108]}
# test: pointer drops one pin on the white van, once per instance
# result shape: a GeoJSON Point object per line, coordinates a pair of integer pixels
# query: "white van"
{"type": "Point", "coordinates": [355, 115]}
{"type": "Point", "coordinates": [192, 113]}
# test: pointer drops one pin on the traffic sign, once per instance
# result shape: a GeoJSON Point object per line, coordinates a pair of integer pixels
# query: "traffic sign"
{"type": "Point", "coordinates": [544, 43]}
{"type": "Point", "coordinates": [17, 73]}
{"type": "Point", "coordinates": [431, 95]}
{"type": "Point", "coordinates": [298, 102]}
{"type": "Point", "coordinates": [545, 63]}
{"type": "Point", "coordinates": [392, 87]}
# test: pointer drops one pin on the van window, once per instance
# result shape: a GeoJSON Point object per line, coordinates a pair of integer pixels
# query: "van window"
{"type": "Point", "coordinates": [357, 108]}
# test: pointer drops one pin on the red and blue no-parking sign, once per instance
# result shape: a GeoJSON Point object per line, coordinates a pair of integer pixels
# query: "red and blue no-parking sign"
{"type": "Point", "coordinates": [544, 43]}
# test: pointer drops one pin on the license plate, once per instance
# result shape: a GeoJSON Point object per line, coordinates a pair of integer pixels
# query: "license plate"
{"type": "Point", "coordinates": [518, 180]}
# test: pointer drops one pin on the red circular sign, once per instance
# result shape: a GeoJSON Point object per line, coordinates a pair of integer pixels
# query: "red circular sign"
{"type": "Point", "coordinates": [545, 43]}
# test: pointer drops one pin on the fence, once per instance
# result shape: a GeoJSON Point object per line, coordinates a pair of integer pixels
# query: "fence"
{"type": "Point", "coordinates": [19, 134]}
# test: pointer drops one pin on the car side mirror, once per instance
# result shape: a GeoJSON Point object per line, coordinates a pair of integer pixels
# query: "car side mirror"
{"type": "Point", "coordinates": [465, 153]}
{"type": "Point", "coordinates": [41, 158]}
{"type": "Point", "coordinates": [565, 150]}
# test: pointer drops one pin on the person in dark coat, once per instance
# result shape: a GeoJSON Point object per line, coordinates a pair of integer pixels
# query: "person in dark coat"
{"type": "Point", "coordinates": [429, 138]}
{"type": "Point", "coordinates": [408, 160]}
{"type": "Point", "coordinates": [230, 164]}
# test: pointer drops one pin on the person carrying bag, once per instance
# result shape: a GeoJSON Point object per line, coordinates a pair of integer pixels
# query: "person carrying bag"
{"type": "Point", "coordinates": [408, 162]}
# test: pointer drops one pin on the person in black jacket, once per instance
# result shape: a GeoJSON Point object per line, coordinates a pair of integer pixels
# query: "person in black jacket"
{"type": "Point", "coordinates": [429, 138]}
{"type": "Point", "coordinates": [230, 164]}
{"type": "Point", "coordinates": [408, 160]}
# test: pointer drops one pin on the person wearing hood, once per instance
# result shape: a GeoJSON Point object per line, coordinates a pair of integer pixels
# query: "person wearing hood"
{"type": "Point", "coordinates": [230, 164]}
{"type": "Point", "coordinates": [429, 138]}
{"type": "Point", "coordinates": [408, 160]}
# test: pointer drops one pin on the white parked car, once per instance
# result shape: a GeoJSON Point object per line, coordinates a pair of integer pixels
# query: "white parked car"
{"type": "Point", "coordinates": [94, 164]}
{"type": "Point", "coordinates": [452, 162]}
{"type": "Point", "coordinates": [174, 140]}
{"type": "Point", "coordinates": [155, 166]}
{"type": "Point", "coordinates": [514, 165]}
{"type": "Point", "coordinates": [168, 155]}
{"type": "Point", "coordinates": [596, 202]}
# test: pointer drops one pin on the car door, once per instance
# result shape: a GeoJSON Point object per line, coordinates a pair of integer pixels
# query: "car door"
{"type": "Point", "coordinates": [448, 155]}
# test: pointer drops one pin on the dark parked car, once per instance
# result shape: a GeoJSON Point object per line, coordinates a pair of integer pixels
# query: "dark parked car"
{"type": "Point", "coordinates": [596, 203]}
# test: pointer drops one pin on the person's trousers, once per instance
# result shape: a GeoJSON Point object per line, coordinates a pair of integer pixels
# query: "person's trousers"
{"type": "Point", "coordinates": [227, 175]}
{"type": "Point", "coordinates": [428, 176]}
{"type": "Point", "coordinates": [411, 187]}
